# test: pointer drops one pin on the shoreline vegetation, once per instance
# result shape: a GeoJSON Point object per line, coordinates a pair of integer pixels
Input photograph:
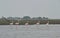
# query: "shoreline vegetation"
{"type": "Point", "coordinates": [27, 20]}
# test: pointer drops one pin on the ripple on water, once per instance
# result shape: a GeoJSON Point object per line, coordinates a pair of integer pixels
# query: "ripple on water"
{"type": "Point", "coordinates": [33, 31]}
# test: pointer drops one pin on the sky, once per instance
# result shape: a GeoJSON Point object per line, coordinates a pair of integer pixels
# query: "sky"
{"type": "Point", "coordinates": [32, 8]}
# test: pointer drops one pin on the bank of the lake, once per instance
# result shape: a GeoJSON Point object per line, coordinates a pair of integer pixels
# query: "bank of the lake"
{"type": "Point", "coordinates": [30, 22]}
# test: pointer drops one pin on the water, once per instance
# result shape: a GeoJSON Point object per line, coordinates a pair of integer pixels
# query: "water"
{"type": "Point", "coordinates": [30, 31]}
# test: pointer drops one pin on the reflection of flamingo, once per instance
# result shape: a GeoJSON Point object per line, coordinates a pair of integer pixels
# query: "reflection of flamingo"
{"type": "Point", "coordinates": [47, 25]}
{"type": "Point", "coordinates": [11, 25]}
{"type": "Point", "coordinates": [27, 25]}
{"type": "Point", "coordinates": [17, 23]}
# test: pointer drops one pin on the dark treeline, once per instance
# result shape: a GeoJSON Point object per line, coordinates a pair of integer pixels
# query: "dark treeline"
{"type": "Point", "coordinates": [25, 19]}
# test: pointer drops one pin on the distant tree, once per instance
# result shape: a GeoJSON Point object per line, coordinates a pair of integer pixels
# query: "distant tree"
{"type": "Point", "coordinates": [3, 18]}
{"type": "Point", "coordinates": [36, 18]}
{"type": "Point", "coordinates": [39, 18]}
{"type": "Point", "coordinates": [26, 17]}
{"type": "Point", "coordinates": [45, 18]}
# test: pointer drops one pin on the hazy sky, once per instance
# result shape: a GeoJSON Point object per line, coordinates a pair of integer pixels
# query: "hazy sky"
{"type": "Point", "coordinates": [32, 8]}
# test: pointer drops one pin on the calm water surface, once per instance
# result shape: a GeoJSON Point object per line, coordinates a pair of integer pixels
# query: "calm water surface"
{"type": "Point", "coordinates": [30, 31]}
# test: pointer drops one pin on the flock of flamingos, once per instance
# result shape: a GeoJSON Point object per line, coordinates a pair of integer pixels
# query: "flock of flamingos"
{"type": "Point", "coordinates": [28, 23]}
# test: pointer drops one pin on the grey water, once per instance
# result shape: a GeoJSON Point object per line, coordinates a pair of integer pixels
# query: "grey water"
{"type": "Point", "coordinates": [30, 31]}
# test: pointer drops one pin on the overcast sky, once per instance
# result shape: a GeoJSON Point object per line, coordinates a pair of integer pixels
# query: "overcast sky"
{"type": "Point", "coordinates": [32, 8]}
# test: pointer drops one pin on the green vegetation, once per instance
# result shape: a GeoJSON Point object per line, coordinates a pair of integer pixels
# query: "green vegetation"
{"type": "Point", "coordinates": [25, 19]}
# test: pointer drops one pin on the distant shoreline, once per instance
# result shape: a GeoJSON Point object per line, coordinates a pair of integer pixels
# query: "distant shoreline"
{"type": "Point", "coordinates": [26, 20]}
{"type": "Point", "coordinates": [30, 22]}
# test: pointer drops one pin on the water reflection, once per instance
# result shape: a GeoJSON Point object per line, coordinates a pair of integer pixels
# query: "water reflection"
{"type": "Point", "coordinates": [30, 31]}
